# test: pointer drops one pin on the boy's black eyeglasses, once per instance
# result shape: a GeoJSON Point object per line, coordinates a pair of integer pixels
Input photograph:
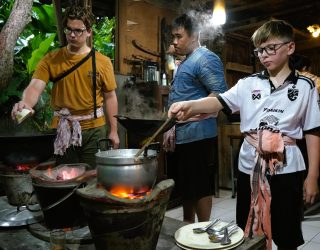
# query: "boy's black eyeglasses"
{"type": "Point", "coordinates": [76, 32]}
{"type": "Point", "coordinates": [270, 49]}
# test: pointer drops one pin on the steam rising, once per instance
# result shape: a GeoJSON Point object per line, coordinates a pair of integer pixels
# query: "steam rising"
{"type": "Point", "coordinates": [209, 30]}
{"type": "Point", "coordinates": [139, 106]}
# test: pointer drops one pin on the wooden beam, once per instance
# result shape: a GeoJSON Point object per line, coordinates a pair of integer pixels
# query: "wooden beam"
{"type": "Point", "coordinates": [244, 27]}
{"type": "Point", "coordinates": [239, 67]}
{"type": "Point", "coordinates": [58, 13]}
{"type": "Point", "coordinates": [308, 44]}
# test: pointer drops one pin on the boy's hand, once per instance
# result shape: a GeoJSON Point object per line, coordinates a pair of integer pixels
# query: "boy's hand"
{"type": "Point", "coordinates": [181, 110]}
{"type": "Point", "coordinates": [310, 190]}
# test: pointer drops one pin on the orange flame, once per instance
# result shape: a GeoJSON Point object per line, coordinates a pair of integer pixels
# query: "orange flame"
{"type": "Point", "coordinates": [129, 192]}
{"type": "Point", "coordinates": [23, 167]}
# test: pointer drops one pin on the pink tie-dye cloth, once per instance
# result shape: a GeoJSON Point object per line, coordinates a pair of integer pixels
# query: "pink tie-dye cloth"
{"type": "Point", "coordinates": [270, 147]}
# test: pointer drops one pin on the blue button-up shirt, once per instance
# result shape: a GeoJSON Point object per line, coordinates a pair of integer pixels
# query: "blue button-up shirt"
{"type": "Point", "coordinates": [199, 75]}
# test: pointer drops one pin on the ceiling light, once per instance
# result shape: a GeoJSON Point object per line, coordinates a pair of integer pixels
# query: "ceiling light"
{"type": "Point", "coordinates": [314, 30]}
{"type": "Point", "coordinates": [219, 12]}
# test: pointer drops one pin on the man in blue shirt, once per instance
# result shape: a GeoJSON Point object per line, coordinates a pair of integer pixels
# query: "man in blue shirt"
{"type": "Point", "coordinates": [201, 74]}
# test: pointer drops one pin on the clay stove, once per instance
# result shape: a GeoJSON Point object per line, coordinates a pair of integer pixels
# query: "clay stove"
{"type": "Point", "coordinates": [17, 184]}
{"type": "Point", "coordinates": [125, 223]}
{"type": "Point", "coordinates": [55, 188]}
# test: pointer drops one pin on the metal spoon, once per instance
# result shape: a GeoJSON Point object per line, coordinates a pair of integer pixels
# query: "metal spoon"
{"type": "Point", "coordinates": [225, 240]}
{"type": "Point", "coordinates": [213, 230]}
{"type": "Point", "coordinates": [221, 232]}
{"type": "Point", "coordinates": [204, 229]}
{"type": "Point", "coordinates": [216, 238]}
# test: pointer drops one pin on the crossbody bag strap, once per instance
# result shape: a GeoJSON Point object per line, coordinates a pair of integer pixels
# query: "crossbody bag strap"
{"type": "Point", "coordinates": [94, 83]}
{"type": "Point", "coordinates": [64, 74]}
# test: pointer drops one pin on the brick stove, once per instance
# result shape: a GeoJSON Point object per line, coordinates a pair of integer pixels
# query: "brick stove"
{"type": "Point", "coordinates": [119, 223]}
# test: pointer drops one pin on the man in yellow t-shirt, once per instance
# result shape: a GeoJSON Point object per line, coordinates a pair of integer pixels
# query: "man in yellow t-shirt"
{"type": "Point", "coordinates": [83, 105]}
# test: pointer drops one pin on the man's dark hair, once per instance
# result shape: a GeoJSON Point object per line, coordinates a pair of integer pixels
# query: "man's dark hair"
{"type": "Point", "coordinates": [79, 13]}
{"type": "Point", "coordinates": [189, 23]}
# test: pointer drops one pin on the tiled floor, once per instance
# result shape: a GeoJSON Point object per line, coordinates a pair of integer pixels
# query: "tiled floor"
{"type": "Point", "coordinates": [224, 208]}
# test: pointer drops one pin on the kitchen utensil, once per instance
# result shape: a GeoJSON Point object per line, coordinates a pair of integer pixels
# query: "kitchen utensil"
{"type": "Point", "coordinates": [19, 216]}
{"type": "Point", "coordinates": [216, 238]}
{"type": "Point", "coordinates": [142, 127]}
{"type": "Point", "coordinates": [204, 229]}
{"type": "Point", "coordinates": [27, 148]}
{"type": "Point", "coordinates": [225, 240]}
{"type": "Point", "coordinates": [120, 167]}
{"type": "Point", "coordinates": [214, 230]}
{"type": "Point", "coordinates": [220, 233]}
{"type": "Point", "coordinates": [163, 126]}
{"type": "Point", "coordinates": [185, 237]}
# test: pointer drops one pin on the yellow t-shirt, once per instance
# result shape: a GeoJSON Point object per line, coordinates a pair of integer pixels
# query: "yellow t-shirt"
{"type": "Point", "coordinates": [75, 90]}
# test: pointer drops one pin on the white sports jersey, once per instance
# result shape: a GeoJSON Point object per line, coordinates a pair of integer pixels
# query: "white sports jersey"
{"type": "Point", "coordinates": [293, 108]}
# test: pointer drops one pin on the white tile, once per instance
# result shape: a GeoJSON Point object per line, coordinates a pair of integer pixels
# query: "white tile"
{"type": "Point", "coordinates": [316, 239]}
{"type": "Point", "coordinates": [229, 204]}
{"type": "Point", "coordinates": [312, 221]}
{"type": "Point", "coordinates": [309, 232]}
{"type": "Point", "coordinates": [310, 246]}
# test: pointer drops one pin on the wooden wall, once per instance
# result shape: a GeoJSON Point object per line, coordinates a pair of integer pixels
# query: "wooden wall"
{"type": "Point", "coordinates": [139, 21]}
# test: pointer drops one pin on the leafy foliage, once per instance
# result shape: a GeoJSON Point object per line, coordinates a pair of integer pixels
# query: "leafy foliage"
{"type": "Point", "coordinates": [34, 42]}
{"type": "Point", "coordinates": [103, 36]}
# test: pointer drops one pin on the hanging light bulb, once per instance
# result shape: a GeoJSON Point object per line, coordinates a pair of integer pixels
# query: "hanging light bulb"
{"type": "Point", "coordinates": [314, 30]}
{"type": "Point", "coordinates": [219, 12]}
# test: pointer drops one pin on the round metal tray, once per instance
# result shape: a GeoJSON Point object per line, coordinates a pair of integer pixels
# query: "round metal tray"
{"type": "Point", "coordinates": [19, 216]}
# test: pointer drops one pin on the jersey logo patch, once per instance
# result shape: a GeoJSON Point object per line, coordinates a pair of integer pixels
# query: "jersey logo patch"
{"type": "Point", "coordinates": [293, 94]}
{"type": "Point", "coordinates": [256, 94]}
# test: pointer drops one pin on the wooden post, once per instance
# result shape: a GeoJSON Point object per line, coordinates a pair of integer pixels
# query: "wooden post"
{"type": "Point", "coordinates": [58, 14]}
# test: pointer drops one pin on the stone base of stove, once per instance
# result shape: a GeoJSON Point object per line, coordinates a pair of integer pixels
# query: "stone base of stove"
{"type": "Point", "coordinates": [121, 224]}
{"type": "Point", "coordinates": [20, 238]}
{"type": "Point", "coordinates": [74, 236]}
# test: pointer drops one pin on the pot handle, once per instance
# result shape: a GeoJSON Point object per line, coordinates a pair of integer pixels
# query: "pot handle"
{"type": "Point", "coordinates": [122, 117]}
{"type": "Point", "coordinates": [53, 204]}
{"type": "Point", "coordinates": [152, 146]}
{"type": "Point", "coordinates": [109, 144]}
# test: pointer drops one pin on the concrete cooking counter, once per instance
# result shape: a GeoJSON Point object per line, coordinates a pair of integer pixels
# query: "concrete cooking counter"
{"type": "Point", "coordinates": [20, 238]}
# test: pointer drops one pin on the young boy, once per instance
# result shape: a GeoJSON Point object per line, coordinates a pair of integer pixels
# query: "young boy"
{"type": "Point", "coordinates": [277, 106]}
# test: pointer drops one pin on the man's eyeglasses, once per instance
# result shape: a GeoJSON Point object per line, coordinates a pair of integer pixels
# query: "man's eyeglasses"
{"type": "Point", "coordinates": [76, 32]}
{"type": "Point", "coordinates": [270, 49]}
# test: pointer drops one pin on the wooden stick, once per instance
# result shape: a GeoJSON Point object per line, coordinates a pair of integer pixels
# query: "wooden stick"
{"type": "Point", "coordinates": [154, 136]}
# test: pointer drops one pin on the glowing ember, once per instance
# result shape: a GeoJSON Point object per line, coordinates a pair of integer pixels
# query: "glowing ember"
{"type": "Point", "coordinates": [64, 173]}
{"type": "Point", "coordinates": [129, 192]}
{"type": "Point", "coordinates": [24, 167]}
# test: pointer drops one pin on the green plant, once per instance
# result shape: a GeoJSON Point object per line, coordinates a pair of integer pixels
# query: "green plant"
{"type": "Point", "coordinates": [103, 36]}
{"type": "Point", "coordinates": [34, 42]}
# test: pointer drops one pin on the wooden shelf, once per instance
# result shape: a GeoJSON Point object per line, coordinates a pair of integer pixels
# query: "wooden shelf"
{"type": "Point", "coordinates": [239, 67]}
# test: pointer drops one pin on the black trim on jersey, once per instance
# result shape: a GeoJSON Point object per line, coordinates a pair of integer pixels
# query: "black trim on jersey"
{"type": "Point", "coordinates": [308, 80]}
{"type": "Point", "coordinates": [291, 79]}
{"type": "Point", "coordinates": [252, 75]}
{"type": "Point", "coordinates": [226, 108]}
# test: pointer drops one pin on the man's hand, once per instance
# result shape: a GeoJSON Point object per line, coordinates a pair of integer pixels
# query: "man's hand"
{"type": "Point", "coordinates": [169, 140]}
{"type": "Point", "coordinates": [18, 107]}
{"type": "Point", "coordinates": [310, 190]}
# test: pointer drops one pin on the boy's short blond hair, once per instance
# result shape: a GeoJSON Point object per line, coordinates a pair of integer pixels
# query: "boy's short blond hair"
{"type": "Point", "coordinates": [273, 29]}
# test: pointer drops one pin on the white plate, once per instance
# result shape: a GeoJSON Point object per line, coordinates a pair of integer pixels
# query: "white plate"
{"type": "Point", "coordinates": [185, 237]}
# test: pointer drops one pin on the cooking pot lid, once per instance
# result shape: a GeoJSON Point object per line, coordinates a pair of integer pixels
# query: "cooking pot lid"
{"type": "Point", "coordinates": [14, 217]}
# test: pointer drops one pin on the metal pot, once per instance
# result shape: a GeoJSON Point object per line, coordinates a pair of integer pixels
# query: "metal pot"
{"type": "Point", "coordinates": [143, 127]}
{"type": "Point", "coordinates": [120, 168]}
{"type": "Point", "coordinates": [26, 149]}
